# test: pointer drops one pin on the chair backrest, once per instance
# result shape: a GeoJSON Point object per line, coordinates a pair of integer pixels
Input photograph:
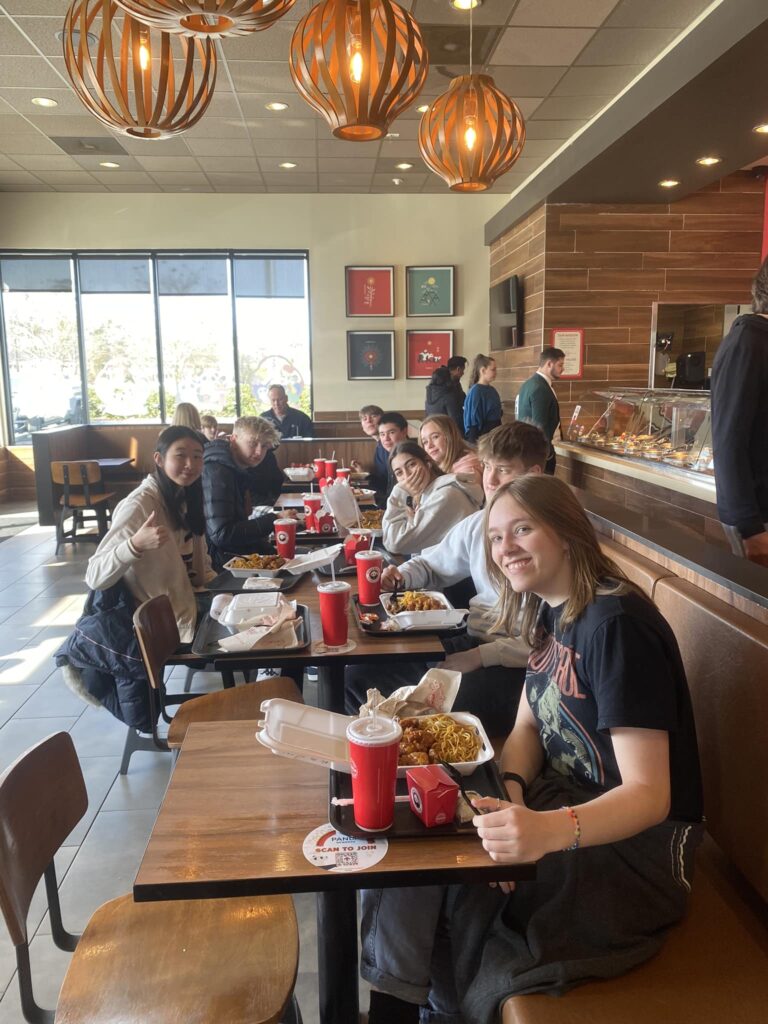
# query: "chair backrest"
{"type": "Point", "coordinates": [640, 570]}
{"type": "Point", "coordinates": [76, 474]}
{"type": "Point", "coordinates": [725, 653]}
{"type": "Point", "coordinates": [42, 798]}
{"type": "Point", "coordinates": [158, 636]}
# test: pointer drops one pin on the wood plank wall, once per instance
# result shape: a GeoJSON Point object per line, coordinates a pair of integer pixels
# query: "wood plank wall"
{"type": "Point", "coordinates": [605, 266]}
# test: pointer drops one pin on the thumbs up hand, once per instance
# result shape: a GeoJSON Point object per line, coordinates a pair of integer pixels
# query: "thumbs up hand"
{"type": "Point", "coordinates": [149, 537]}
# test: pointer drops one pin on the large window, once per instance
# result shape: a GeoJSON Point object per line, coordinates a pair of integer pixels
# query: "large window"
{"type": "Point", "coordinates": [99, 337]}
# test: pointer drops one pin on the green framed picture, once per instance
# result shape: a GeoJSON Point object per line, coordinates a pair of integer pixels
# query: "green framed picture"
{"type": "Point", "coordinates": [429, 291]}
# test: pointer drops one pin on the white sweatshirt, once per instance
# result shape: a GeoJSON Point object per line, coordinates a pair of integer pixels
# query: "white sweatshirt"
{"type": "Point", "coordinates": [444, 503]}
{"type": "Point", "coordinates": [459, 554]}
{"type": "Point", "coordinates": [151, 573]}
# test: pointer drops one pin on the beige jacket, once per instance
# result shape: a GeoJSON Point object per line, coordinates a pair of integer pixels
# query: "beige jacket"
{"type": "Point", "coordinates": [152, 573]}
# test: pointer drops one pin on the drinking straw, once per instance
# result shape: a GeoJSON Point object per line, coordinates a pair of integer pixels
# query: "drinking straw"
{"type": "Point", "coordinates": [370, 546]}
{"type": "Point", "coordinates": [333, 573]}
{"type": "Point", "coordinates": [333, 455]}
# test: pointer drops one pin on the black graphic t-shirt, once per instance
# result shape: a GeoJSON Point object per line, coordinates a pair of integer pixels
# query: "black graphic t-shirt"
{"type": "Point", "coordinates": [617, 666]}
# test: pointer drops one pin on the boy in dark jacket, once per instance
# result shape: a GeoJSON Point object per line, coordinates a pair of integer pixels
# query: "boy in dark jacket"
{"type": "Point", "coordinates": [239, 473]}
{"type": "Point", "coordinates": [445, 395]}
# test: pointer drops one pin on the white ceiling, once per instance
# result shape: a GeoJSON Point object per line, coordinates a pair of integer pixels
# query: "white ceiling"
{"type": "Point", "coordinates": [561, 60]}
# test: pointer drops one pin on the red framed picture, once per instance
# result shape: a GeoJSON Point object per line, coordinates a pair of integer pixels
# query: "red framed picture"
{"type": "Point", "coordinates": [425, 351]}
{"type": "Point", "coordinates": [571, 341]}
{"type": "Point", "coordinates": [370, 291]}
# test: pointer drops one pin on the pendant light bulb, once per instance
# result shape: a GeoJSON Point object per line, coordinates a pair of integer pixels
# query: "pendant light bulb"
{"type": "Point", "coordinates": [470, 133]}
{"type": "Point", "coordinates": [356, 62]}
{"type": "Point", "coordinates": [145, 58]}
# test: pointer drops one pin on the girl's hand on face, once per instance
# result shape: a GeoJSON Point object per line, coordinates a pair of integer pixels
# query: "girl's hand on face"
{"type": "Point", "coordinates": [513, 834]}
{"type": "Point", "coordinates": [149, 537]}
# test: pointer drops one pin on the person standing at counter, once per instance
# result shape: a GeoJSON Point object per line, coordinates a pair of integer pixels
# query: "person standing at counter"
{"type": "Point", "coordinates": [537, 402]}
{"type": "Point", "coordinates": [482, 408]}
{"type": "Point", "coordinates": [287, 421]}
{"type": "Point", "coordinates": [740, 427]}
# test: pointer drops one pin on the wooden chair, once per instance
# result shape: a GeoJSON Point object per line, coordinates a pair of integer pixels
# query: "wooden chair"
{"type": "Point", "coordinates": [158, 637]}
{"type": "Point", "coordinates": [210, 961]}
{"type": "Point", "coordinates": [82, 492]}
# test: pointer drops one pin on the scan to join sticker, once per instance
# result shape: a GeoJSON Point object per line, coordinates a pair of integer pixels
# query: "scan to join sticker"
{"type": "Point", "coordinates": [333, 851]}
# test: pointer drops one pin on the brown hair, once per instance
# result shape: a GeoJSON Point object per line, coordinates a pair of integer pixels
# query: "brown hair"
{"type": "Point", "coordinates": [415, 449]}
{"type": "Point", "coordinates": [480, 363]}
{"type": "Point", "coordinates": [518, 440]}
{"type": "Point", "coordinates": [552, 504]}
{"type": "Point", "coordinates": [550, 353]}
{"type": "Point", "coordinates": [455, 445]}
{"type": "Point", "coordinates": [209, 421]}
{"type": "Point", "coordinates": [760, 290]}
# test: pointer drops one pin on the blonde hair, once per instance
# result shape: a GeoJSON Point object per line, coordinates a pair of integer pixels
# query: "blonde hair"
{"type": "Point", "coordinates": [455, 445]}
{"type": "Point", "coordinates": [258, 427]}
{"type": "Point", "coordinates": [186, 415]}
{"type": "Point", "coordinates": [553, 505]}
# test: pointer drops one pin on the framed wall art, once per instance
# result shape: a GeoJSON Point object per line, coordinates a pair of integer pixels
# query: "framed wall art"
{"type": "Point", "coordinates": [429, 291]}
{"type": "Point", "coordinates": [370, 355]}
{"type": "Point", "coordinates": [425, 351]}
{"type": "Point", "coordinates": [370, 291]}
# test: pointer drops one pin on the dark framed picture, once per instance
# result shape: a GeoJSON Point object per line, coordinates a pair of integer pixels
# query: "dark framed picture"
{"type": "Point", "coordinates": [425, 351]}
{"type": "Point", "coordinates": [370, 355]}
{"type": "Point", "coordinates": [429, 291]}
{"type": "Point", "coordinates": [370, 291]}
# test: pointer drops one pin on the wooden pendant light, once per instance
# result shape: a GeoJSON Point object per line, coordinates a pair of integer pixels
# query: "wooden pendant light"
{"type": "Point", "coordinates": [471, 134]}
{"type": "Point", "coordinates": [359, 63]}
{"type": "Point", "coordinates": [208, 17]}
{"type": "Point", "coordinates": [136, 80]}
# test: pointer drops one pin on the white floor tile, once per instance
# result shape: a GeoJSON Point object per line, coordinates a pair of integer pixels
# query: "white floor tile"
{"type": "Point", "coordinates": [19, 734]}
{"type": "Point", "coordinates": [12, 698]}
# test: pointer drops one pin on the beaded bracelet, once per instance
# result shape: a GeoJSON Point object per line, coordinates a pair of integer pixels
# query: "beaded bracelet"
{"type": "Point", "coordinates": [576, 829]}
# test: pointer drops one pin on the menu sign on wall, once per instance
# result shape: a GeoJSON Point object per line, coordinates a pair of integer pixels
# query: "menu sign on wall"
{"type": "Point", "coordinates": [571, 341]}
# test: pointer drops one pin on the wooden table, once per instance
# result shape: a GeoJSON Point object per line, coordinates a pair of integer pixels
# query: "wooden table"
{"type": "Point", "coordinates": [232, 823]}
{"type": "Point", "coordinates": [423, 646]}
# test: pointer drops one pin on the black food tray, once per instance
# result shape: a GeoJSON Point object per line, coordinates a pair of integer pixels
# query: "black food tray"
{"type": "Point", "coordinates": [485, 780]}
{"type": "Point", "coordinates": [209, 632]}
{"type": "Point", "coordinates": [304, 537]}
{"type": "Point", "coordinates": [374, 628]}
{"type": "Point", "coordinates": [226, 583]}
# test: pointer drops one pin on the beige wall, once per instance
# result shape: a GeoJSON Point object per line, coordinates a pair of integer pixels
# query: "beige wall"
{"type": "Point", "coordinates": [336, 229]}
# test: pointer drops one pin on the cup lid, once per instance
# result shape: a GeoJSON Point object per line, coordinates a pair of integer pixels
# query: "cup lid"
{"type": "Point", "coordinates": [370, 733]}
{"type": "Point", "coordinates": [334, 587]}
{"type": "Point", "coordinates": [368, 555]}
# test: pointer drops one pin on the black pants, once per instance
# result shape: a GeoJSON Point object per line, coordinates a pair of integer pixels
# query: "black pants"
{"type": "Point", "coordinates": [492, 694]}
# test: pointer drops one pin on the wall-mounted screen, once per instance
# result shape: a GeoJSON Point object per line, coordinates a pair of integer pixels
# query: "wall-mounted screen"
{"type": "Point", "coordinates": [506, 314]}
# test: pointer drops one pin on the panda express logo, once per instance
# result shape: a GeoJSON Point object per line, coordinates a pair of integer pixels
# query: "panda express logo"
{"type": "Point", "coordinates": [282, 537]}
{"type": "Point", "coordinates": [372, 574]}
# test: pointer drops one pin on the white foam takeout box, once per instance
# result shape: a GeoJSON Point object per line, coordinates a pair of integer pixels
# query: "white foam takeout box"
{"type": "Point", "coordinates": [441, 618]}
{"type": "Point", "coordinates": [320, 737]}
{"type": "Point", "coordinates": [299, 474]}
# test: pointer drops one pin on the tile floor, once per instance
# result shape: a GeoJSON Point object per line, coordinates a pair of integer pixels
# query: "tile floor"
{"type": "Point", "coordinates": [40, 599]}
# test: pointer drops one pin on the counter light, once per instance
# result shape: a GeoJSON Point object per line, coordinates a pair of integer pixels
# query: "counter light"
{"type": "Point", "coordinates": [708, 161]}
{"type": "Point", "coordinates": [669, 183]}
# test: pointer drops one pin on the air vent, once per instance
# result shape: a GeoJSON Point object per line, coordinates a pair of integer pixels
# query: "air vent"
{"type": "Point", "coordinates": [101, 145]}
{"type": "Point", "coordinates": [449, 44]}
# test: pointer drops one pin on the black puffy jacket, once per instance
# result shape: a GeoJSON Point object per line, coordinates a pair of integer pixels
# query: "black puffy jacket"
{"type": "Point", "coordinates": [445, 397]}
{"type": "Point", "coordinates": [104, 650]}
{"type": "Point", "coordinates": [230, 492]}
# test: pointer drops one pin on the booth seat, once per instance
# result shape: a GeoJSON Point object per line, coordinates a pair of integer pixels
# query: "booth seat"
{"type": "Point", "coordinates": [714, 966]}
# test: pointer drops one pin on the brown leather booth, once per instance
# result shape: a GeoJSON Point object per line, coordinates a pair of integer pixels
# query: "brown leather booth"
{"type": "Point", "coordinates": [714, 966]}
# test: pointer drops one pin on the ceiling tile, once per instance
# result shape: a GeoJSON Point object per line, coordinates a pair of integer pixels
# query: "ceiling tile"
{"type": "Point", "coordinates": [113, 178]}
{"type": "Point", "coordinates": [626, 45]}
{"type": "Point", "coordinates": [168, 163]}
{"type": "Point", "coordinates": [27, 185]}
{"type": "Point", "coordinates": [65, 177]}
{"type": "Point", "coordinates": [558, 130]}
{"type": "Point", "coordinates": [304, 165]}
{"type": "Point", "coordinates": [12, 42]}
{"type": "Point", "coordinates": [217, 128]}
{"type": "Point", "coordinates": [180, 177]}
{"type": "Point", "coordinates": [282, 148]}
{"type": "Point", "coordinates": [27, 144]}
{"type": "Point", "coordinates": [290, 178]}
{"type": "Point", "coordinates": [528, 105]}
{"type": "Point", "coordinates": [330, 147]}
{"type": "Point", "coordinates": [533, 81]}
{"type": "Point", "coordinates": [235, 179]}
{"type": "Point", "coordinates": [70, 124]}
{"type": "Point", "coordinates": [588, 13]}
{"type": "Point", "coordinates": [656, 13]}
{"type": "Point", "coordinates": [541, 46]}
{"type": "Point", "coordinates": [36, 162]}
{"type": "Point", "coordinates": [566, 107]}
{"type": "Point", "coordinates": [388, 165]}
{"type": "Point", "coordinates": [132, 188]}
{"type": "Point", "coordinates": [189, 188]}
{"type": "Point", "coordinates": [68, 103]}
{"type": "Point", "coordinates": [154, 147]}
{"type": "Point", "coordinates": [492, 12]}
{"type": "Point", "coordinates": [34, 7]}
{"type": "Point", "coordinates": [42, 32]}
{"type": "Point", "coordinates": [541, 148]}
{"type": "Point", "coordinates": [250, 76]}
{"type": "Point", "coordinates": [272, 45]}
{"type": "Point", "coordinates": [28, 73]}
{"type": "Point", "coordinates": [93, 163]}
{"type": "Point", "coordinates": [87, 185]}
{"type": "Point", "coordinates": [291, 189]}
{"type": "Point", "coordinates": [596, 81]}
{"type": "Point", "coordinates": [229, 164]}
{"type": "Point", "coordinates": [213, 147]}
{"type": "Point", "coordinates": [335, 189]}
{"type": "Point", "coordinates": [330, 165]}
{"type": "Point", "coordinates": [289, 128]}
{"type": "Point", "coordinates": [405, 131]}
{"type": "Point", "coordinates": [223, 104]}
{"type": "Point", "coordinates": [6, 164]}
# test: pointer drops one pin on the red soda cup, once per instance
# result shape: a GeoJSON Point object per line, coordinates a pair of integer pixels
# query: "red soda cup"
{"type": "Point", "coordinates": [285, 537]}
{"type": "Point", "coordinates": [358, 540]}
{"type": "Point", "coordinates": [369, 566]}
{"type": "Point", "coordinates": [312, 505]}
{"type": "Point", "coordinates": [319, 464]}
{"type": "Point", "coordinates": [334, 612]}
{"type": "Point", "coordinates": [330, 469]}
{"type": "Point", "coordinates": [342, 473]}
{"type": "Point", "coordinates": [373, 750]}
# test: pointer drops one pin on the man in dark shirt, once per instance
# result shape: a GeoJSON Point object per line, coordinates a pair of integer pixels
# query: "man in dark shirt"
{"type": "Point", "coordinates": [239, 473]}
{"type": "Point", "coordinates": [740, 427]}
{"type": "Point", "coordinates": [287, 421]}
{"type": "Point", "coordinates": [393, 428]}
{"type": "Point", "coordinates": [537, 402]}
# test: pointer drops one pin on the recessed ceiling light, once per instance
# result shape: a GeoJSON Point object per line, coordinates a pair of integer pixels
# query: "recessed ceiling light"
{"type": "Point", "coordinates": [423, 108]}
{"type": "Point", "coordinates": [393, 135]}
{"type": "Point", "coordinates": [44, 101]}
{"type": "Point", "coordinates": [464, 5]}
{"type": "Point", "coordinates": [397, 181]}
{"type": "Point", "coordinates": [450, 47]}
{"type": "Point", "coordinates": [403, 167]}
{"type": "Point", "coordinates": [108, 163]}
{"type": "Point", "coordinates": [276, 106]}
{"type": "Point", "coordinates": [761, 129]}
{"type": "Point", "coordinates": [708, 161]}
{"type": "Point", "coordinates": [288, 165]}
{"type": "Point", "coordinates": [669, 183]}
